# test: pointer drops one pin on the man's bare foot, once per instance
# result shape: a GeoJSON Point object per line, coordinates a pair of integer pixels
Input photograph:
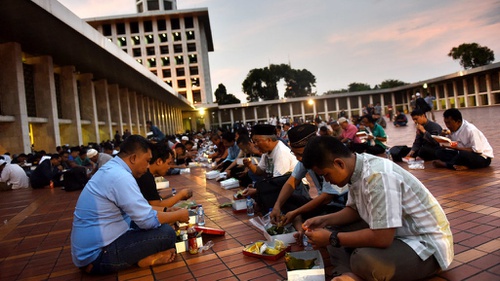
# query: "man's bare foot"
{"type": "Point", "coordinates": [438, 164]}
{"type": "Point", "coordinates": [460, 167]}
{"type": "Point", "coordinates": [348, 276]}
{"type": "Point", "coordinates": [158, 258]}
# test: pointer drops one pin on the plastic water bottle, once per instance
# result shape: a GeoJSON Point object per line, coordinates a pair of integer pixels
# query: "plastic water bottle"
{"type": "Point", "coordinates": [174, 192]}
{"type": "Point", "coordinates": [305, 242]}
{"type": "Point", "coordinates": [200, 215]}
{"type": "Point", "coordinates": [249, 206]}
{"type": "Point", "coordinates": [388, 154]}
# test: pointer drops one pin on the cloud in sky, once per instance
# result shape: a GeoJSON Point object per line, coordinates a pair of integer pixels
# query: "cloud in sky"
{"type": "Point", "coordinates": [340, 42]}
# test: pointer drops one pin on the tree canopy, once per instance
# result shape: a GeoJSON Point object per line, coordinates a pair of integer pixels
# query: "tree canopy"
{"type": "Point", "coordinates": [472, 55]}
{"type": "Point", "coordinates": [261, 83]}
{"type": "Point", "coordinates": [391, 83]}
{"type": "Point", "coordinates": [356, 87]}
{"type": "Point", "coordinates": [222, 97]}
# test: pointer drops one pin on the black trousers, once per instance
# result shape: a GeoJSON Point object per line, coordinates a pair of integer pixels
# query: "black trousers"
{"type": "Point", "coordinates": [469, 159]}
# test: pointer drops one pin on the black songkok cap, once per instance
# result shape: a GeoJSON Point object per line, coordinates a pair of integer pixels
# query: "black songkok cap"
{"type": "Point", "coordinates": [300, 135]}
{"type": "Point", "coordinates": [264, 130]}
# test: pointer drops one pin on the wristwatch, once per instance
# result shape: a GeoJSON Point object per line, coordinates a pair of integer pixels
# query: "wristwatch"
{"type": "Point", "coordinates": [334, 240]}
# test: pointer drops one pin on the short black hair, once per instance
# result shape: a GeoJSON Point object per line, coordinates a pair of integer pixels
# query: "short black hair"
{"type": "Point", "coordinates": [160, 151]}
{"type": "Point", "coordinates": [453, 113]}
{"type": "Point", "coordinates": [321, 151]}
{"type": "Point", "coordinates": [133, 144]}
{"type": "Point", "coordinates": [368, 117]}
{"type": "Point", "coordinates": [228, 136]}
{"type": "Point", "coordinates": [417, 112]}
{"type": "Point", "coordinates": [243, 140]}
{"type": "Point", "coordinates": [55, 156]}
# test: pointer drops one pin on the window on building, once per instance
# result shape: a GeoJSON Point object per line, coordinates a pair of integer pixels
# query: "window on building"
{"type": "Point", "coordinates": [188, 22]}
{"type": "Point", "coordinates": [167, 5]}
{"type": "Point", "coordinates": [168, 81]}
{"type": "Point", "coordinates": [167, 73]}
{"type": "Point", "coordinates": [154, 72]}
{"type": "Point", "coordinates": [148, 26]}
{"type": "Point", "coordinates": [193, 70]}
{"type": "Point", "coordinates": [140, 7]}
{"type": "Point", "coordinates": [136, 40]}
{"type": "Point", "coordinates": [197, 96]}
{"type": "Point", "coordinates": [134, 27]}
{"type": "Point", "coordinates": [139, 61]}
{"type": "Point", "coordinates": [165, 61]}
{"type": "Point", "coordinates": [161, 24]}
{"type": "Point", "coordinates": [190, 35]}
{"type": "Point", "coordinates": [181, 83]}
{"type": "Point", "coordinates": [106, 29]}
{"type": "Point", "coordinates": [180, 72]}
{"type": "Point", "coordinates": [153, 5]}
{"type": "Point", "coordinates": [193, 59]}
{"type": "Point", "coordinates": [120, 28]}
{"type": "Point", "coordinates": [136, 52]}
{"type": "Point", "coordinates": [184, 94]}
{"type": "Point", "coordinates": [163, 37]}
{"type": "Point", "coordinates": [151, 62]}
{"type": "Point", "coordinates": [150, 51]}
{"type": "Point", "coordinates": [195, 82]}
{"type": "Point", "coordinates": [179, 60]}
{"type": "Point", "coordinates": [150, 39]}
{"type": "Point", "coordinates": [177, 36]}
{"type": "Point", "coordinates": [177, 48]}
{"type": "Point", "coordinates": [164, 49]}
{"type": "Point", "coordinates": [191, 47]}
{"type": "Point", "coordinates": [176, 24]}
{"type": "Point", "coordinates": [122, 41]}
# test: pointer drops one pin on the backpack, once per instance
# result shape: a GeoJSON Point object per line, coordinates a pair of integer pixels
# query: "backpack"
{"type": "Point", "coordinates": [398, 152]}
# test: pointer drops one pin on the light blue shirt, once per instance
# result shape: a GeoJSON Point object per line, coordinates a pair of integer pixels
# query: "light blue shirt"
{"type": "Point", "coordinates": [110, 201]}
{"type": "Point", "coordinates": [232, 153]}
{"type": "Point", "coordinates": [299, 172]}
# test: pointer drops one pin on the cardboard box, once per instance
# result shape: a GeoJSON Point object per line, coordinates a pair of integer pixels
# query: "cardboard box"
{"type": "Point", "coordinates": [162, 185]}
{"type": "Point", "coordinates": [212, 175]}
{"type": "Point", "coordinates": [239, 205]}
{"type": "Point", "coordinates": [317, 273]}
{"type": "Point", "coordinates": [230, 183]}
{"type": "Point", "coordinates": [183, 246]}
{"type": "Point", "coordinates": [192, 219]}
{"type": "Point", "coordinates": [263, 226]}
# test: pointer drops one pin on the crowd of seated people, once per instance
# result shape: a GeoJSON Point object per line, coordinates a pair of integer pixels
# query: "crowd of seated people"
{"type": "Point", "coordinates": [340, 164]}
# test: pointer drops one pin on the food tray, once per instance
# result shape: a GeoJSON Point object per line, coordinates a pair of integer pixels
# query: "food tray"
{"type": "Point", "coordinates": [265, 256]}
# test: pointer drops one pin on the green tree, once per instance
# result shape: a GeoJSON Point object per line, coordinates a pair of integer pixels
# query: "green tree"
{"type": "Point", "coordinates": [261, 83]}
{"type": "Point", "coordinates": [222, 97]}
{"type": "Point", "coordinates": [357, 87]}
{"type": "Point", "coordinates": [472, 55]}
{"type": "Point", "coordinates": [391, 83]}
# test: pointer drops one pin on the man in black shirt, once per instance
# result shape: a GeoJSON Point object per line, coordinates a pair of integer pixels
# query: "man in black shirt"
{"type": "Point", "coordinates": [424, 145]}
{"type": "Point", "coordinates": [158, 166]}
{"type": "Point", "coordinates": [46, 172]}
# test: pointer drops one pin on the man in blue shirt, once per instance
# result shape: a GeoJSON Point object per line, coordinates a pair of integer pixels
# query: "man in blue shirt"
{"type": "Point", "coordinates": [232, 151]}
{"type": "Point", "coordinates": [154, 134]}
{"type": "Point", "coordinates": [114, 227]}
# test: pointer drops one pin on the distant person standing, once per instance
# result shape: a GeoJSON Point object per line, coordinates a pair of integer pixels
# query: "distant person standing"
{"type": "Point", "coordinates": [126, 134]}
{"type": "Point", "coordinates": [154, 132]}
{"type": "Point", "coordinates": [429, 99]}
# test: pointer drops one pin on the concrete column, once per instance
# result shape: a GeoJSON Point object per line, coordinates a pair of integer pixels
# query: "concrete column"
{"type": "Point", "coordinates": [103, 110]}
{"type": "Point", "coordinates": [15, 136]}
{"type": "Point", "coordinates": [446, 96]}
{"type": "Point", "coordinates": [142, 114]}
{"type": "Point", "coordinates": [90, 132]}
{"type": "Point", "coordinates": [279, 112]}
{"type": "Point", "coordinates": [489, 95]}
{"type": "Point", "coordinates": [455, 94]}
{"type": "Point", "coordinates": [134, 107]}
{"type": "Point", "coordinates": [70, 107]}
{"type": "Point", "coordinates": [479, 101]}
{"type": "Point", "coordinates": [327, 116]}
{"type": "Point", "coordinates": [337, 108]}
{"type": "Point", "coordinates": [125, 109]}
{"type": "Point", "coordinates": [46, 135]}
{"type": "Point", "coordinates": [231, 115]}
{"type": "Point", "coordinates": [302, 111]}
{"type": "Point", "coordinates": [244, 115]}
{"type": "Point", "coordinates": [254, 114]}
{"type": "Point", "coordinates": [360, 104]}
{"type": "Point", "coordinates": [349, 107]}
{"type": "Point", "coordinates": [220, 117]}
{"type": "Point", "coordinates": [115, 108]}
{"type": "Point", "coordinates": [466, 92]}
{"type": "Point", "coordinates": [267, 113]}
{"type": "Point", "coordinates": [291, 113]}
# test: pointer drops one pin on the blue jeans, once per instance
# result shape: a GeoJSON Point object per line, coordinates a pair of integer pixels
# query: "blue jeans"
{"type": "Point", "coordinates": [133, 246]}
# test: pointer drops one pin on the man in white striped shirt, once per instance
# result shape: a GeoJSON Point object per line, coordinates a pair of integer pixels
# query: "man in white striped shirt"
{"type": "Point", "coordinates": [392, 227]}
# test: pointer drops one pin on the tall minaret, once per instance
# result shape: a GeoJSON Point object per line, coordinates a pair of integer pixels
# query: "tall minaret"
{"type": "Point", "coordinates": [155, 5]}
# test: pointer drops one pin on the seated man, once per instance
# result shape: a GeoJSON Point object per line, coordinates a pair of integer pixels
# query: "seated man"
{"type": "Point", "coordinates": [232, 151]}
{"type": "Point", "coordinates": [376, 139]}
{"type": "Point", "coordinates": [46, 172]}
{"type": "Point", "coordinates": [276, 160]}
{"type": "Point", "coordinates": [295, 205]}
{"type": "Point", "coordinates": [217, 156]}
{"type": "Point", "coordinates": [349, 131]}
{"type": "Point", "coordinates": [97, 159]}
{"type": "Point", "coordinates": [424, 145]}
{"type": "Point", "coordinates": [182, 157]}
{"type": "Point", "coordinates": [400, 119]}
{"type": "Point", "coordinates": [240, 172]}
{"type": "Point", "coordinates": [472, 150]}
{"type": "Point", "coordinates": [161, 160]}
{"type": "Point", "coordinates": [114, 227]}
{"type": "Point", "coordinates": [379, 119]}
{"type": "Point", "coordinates": [392, 227]}
{"type": "Point", "coordinates": [13, 175]}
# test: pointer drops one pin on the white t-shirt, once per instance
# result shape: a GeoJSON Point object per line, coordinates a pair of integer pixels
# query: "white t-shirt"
{"type": "Point", "coordinates": [283, 160]}
{"type": "Point", "coordinates": [15, 175]}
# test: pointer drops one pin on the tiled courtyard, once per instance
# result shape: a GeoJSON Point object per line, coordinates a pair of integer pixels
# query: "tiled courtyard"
{"type": "Point", "coordinates": [36, 225]}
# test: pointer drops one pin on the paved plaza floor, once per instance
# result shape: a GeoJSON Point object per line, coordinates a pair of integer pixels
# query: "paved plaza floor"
{"type": "Point", "coordinates": [36, 224]}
